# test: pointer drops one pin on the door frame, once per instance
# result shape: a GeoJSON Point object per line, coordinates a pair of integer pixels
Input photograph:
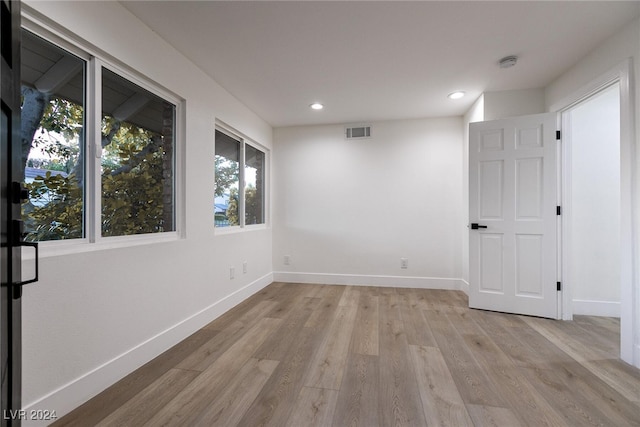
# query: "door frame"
{"type": "Point", "coordinates": [12, 171]}
{"type": "Point", "coordinates": [629, 223]}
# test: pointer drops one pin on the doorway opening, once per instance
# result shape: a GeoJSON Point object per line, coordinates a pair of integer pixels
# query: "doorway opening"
{"type": "Point", "coordinates": [619, 77]}
{"type": "Point", "coordinates": [592, 204]}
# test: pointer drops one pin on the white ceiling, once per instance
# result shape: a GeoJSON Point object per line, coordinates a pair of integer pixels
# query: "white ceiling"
{"type": "Point", "coordinates": [382, 60]}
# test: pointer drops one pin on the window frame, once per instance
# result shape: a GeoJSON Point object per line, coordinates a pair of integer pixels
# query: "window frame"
{"type": "Point", "coordinates": [244, 141]}
{"type": "Point", "coordinates": [96, 60]}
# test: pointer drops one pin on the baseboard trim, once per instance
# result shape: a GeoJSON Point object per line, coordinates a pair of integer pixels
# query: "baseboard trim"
{"type": "Point", "coordinates": [465, 286]}
{"type": "Point", "coordinates": [370, 280]}
{"type": "Point", "coordinates": [596, 308]}
{"type": "Point", "coordinates": [78, 391]}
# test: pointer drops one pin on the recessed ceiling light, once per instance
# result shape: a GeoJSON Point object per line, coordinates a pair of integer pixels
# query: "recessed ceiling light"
{"type": "Point", "coordinates": [316, 106]}
{"type": "Point", "coordinates": [456, 95]}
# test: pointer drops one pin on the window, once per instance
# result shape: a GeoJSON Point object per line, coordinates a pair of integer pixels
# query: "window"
{"type": "Point", "coordinates": [253, 185]}
{"type": "Point", "coordinates": [240, 182]}
{"type": "Point", "coordinates": [137, 159]}
{"type": "Point", "coordinates": [227, 170]}
{"type": "Point", "coordinates": [53, 131]}
{"type": "Point", "coordinates": [127, 185]}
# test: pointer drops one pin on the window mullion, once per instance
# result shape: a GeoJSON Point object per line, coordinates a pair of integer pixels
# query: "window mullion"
{"type": "Point", "coordinates": [94, 118]}
{"type": "Point", "coordinates": [241, 195]}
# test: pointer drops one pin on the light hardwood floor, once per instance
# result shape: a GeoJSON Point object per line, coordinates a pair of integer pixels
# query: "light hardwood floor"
{"type": "Point", "coordinates": [311, 355]}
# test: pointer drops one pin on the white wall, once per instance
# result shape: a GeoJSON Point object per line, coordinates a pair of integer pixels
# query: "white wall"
{"type": "Point", "coordinates": [511, 103]}
{"type": "Point", "coordinates": [617, 49]}
{"type": "Point", "coordinates": [593, 134]}
{"type": "Point", "coordinates": [346, 211]}
{"type": "Point", "coordinates": [95, 316]}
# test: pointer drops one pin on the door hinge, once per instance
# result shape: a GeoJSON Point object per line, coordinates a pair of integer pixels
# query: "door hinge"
{"type": "Point", "coordinates": [558, 135]}
{"type": "Point", "coordinates": [559, 286]}
{"type": "Point", "coordinates": [558, 210]}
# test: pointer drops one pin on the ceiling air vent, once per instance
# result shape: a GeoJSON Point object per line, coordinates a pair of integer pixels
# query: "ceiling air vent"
{"type": "Point", "coordinates": [358, 132]}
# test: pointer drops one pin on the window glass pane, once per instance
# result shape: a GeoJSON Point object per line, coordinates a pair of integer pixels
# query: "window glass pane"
{"type": "Point", "coordinates": [227, 172]}
{"type": "Point", "coordinates": [137, 159]}
{"type": "Point", "coordinates": [254, 185]}
{"type": "Point", "coordinates": [52, 130]}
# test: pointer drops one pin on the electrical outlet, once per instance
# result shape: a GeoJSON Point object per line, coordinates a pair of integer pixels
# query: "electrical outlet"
{"type": "Point", "coordinates": [404, 263]}
{"type": "Point", "coordinates": [244, 267]}
{"type": "Point", "coordinates": [232, 272]}
{"type": "Point", "coordinates": [287, 260]}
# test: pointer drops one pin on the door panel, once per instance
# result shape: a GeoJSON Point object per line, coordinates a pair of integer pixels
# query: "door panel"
{"type": "Point", "coordinates": [491, 264]}
{"type": "Point", "coordinates": [529, 188]}
{"type": "Point", "coordinates": [491, 188]}
{"type": "Point", "coordinates": [529, 265]}
{"type": "Point", "coordinates": [512, 199]}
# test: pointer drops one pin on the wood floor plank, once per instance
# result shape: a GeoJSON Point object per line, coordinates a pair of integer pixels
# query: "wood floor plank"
{"type": "Point", "coordinates": [526, 403]}
{"type": "Point", "coordinates": [460, 299]}
{"type": "Point", "coordinates": [441, 400]}
{"type": "Point", "coordinates": [327, 367]}
{"type": "Point", "coordinates": [596, 335]}
{"type": "Point", "coordinates": [571, 403]}
{"type": "Point", "coordinates": [191, 401]}
{"type": "Point", "coordinates": [609, 324]}
{"type": "Point", "coordinates": [472, 381]}
{"type": "Point", "coordinates": [330, 298]}
{"type": "Point", "coordinates": [579, 350]}
{"type": "Point", "coordinates": [358, 397]}
{"type": "Point", "coordinates": [350, 297]}
{"type": "Point", "coordinates": [314, 407]}
{"type": "Point", "coordinates": [482, 338]}
{"type": "Point", "coordinates": [520, 342]}
{"type": "Point", "coordinates": [450, 300]}
{"type": "Point", "coordinates": [483, 415]}
{"type": "Point", "coordinates": [567, 342]}
{"type": "Point", "coordinates": [399, 399]}
{"type": "Point", "coordinates": [502, 334]}
{"type": "Point", "coordinates": [207, 354]}
{"type": "Point", "coordinates": [620, 376]}
{"type": "Point", "coordinates": [232, 403]}
{"type": "Point", "coordinates": [148, 402]}
{"type": "Point", "coordinates": [288, 300]}
{"type": "Point", "coordinates": [265, 295]}
{"type": "Point", "coordinates": [421, 298]}
{"type": "Point", "coordinates": [489, 319]}
{"type": "Point", "coordinates": [432, 299]}
{"type": "Point", "coordinates": [618, 408]}
{"type": "Point", "coordinates": [416, 328]}
{"type": "Point", "coordinates": [279, 344]}
{"type": "Point", "coordinates": [463, 322]}
{"type": "Point", "coordinates": [273, 406]}
{"type": "Point", "coordinates": [365, 332]}
{"type": "Point", "coordinates": [305, 289]}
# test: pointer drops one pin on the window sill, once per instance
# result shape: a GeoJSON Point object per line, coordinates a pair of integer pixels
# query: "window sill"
{"type": "Point", "coordinates": [221, 231]}
{"type": "Point", "coordinates": [75, 246]}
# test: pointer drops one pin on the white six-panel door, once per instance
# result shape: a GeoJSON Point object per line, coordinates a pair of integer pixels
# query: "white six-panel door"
{"type": "Point", "coordinates": [513, 193]}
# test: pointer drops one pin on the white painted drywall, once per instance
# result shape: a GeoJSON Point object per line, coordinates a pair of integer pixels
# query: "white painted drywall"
{"type": "Point", "coordinates": [347, 211]}
{"type": "Point", "coordinates": [512, 103]}
{"type": "Point", "coordinates": [95, 316]}
{"type": "Point", "coordinates": [593, 133]}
